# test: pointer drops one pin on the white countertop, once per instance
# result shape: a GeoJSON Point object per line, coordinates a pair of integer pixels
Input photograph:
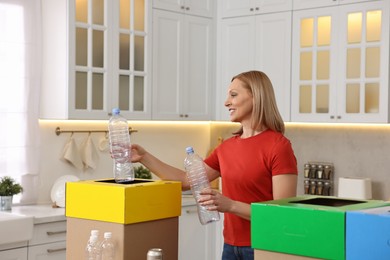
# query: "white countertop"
{"type": "Point", "coordinates": [41, 213]}
{"type": "Point", "coordinates": [46, 213]}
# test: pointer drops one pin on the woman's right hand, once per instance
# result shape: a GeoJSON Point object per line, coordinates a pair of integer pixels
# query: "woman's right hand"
{"type": "Point", "coordinates": [137, 153]}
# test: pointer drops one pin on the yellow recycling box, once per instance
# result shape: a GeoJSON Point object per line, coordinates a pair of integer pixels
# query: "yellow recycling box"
{"type": "Point", "coordinates": [139, 201]}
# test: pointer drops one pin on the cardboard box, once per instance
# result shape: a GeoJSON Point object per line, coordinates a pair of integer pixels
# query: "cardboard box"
{"type": "Point", "coordinates": [139, 201]}
{"type": "Point", "coordinates": [269, 255]}
{"type": "Point", "coordinates": [131, 241]}
{"type": "Point", "coordinates": [311, 226]}
{"type": "Point", "coordinates": [368, 234]}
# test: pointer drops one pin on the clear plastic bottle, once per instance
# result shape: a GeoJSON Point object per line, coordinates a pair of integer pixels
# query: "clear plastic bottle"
{"type": "Point", "coordinates": [196, 174]}
{"type": "Point", "coordinates": [120, 147]}
{"type": "Point", "coordinates": [107, 247]}
{"type": "Point", "coordinates": [92, 250]}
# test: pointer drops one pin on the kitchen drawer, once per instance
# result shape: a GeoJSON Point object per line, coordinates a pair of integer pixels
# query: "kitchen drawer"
{"type": "Point", "coordinates": [48, 233]}
{"type": "Point", "coordinates": [52, 251]}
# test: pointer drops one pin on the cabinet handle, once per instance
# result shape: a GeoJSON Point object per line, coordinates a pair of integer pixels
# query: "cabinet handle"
{"type": "Point", "coordinates": [52, 233]}
{"type": "Point", "coordinates": [257, 8]}
{"type": "Point", "coordinates": [190, 211]}
{"type": "Point", "coordinates": [251, 9]}
{"type": "Point", "coordinates": [182, 7]}
{"type": "Point", "coordinates": [338, 117]}
{"type": "Point", "coordinates": [56, 250]}
{"type": "Point", "coordinates": [331, 117]}
{"type": "Point", "coordinates": [187, 8]}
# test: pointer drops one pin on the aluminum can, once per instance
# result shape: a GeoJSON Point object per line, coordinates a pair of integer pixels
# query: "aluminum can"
{"type": "Point", "coordinates": [154, 254]}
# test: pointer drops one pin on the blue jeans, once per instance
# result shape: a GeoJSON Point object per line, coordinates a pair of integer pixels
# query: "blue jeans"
{"type": "Point", "coordinates": [237, 252]}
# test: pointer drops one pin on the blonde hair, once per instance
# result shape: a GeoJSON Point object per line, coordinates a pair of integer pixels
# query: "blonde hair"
{"type": "Point", "coordinates": [265, 111]}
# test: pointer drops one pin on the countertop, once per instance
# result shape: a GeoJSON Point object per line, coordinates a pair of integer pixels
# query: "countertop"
{"type": "Point", "coordinates": [46, 213]}
{"type": "Point", "coordinates": [41, 213]}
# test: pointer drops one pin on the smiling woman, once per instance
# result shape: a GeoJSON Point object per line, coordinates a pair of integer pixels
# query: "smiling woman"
{"type": "Point", "coordinates": [19, 85]}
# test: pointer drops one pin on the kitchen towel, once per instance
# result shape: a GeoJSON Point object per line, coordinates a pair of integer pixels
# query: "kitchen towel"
{"type": "Point", "coordinates": [89, 154]}
{"type": "Point", "coordinates": [71, 153]}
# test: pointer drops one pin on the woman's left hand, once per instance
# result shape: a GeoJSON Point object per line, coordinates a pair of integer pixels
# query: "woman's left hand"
{"type": "Point", "coordinates": [214, 200]}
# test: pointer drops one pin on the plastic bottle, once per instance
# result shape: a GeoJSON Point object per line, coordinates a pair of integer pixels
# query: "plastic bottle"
{"type": "Point", "coordinates": [120, 147]}
{"type": "Point", "coordinates": [107, 247]}
{"type": "Point", "coordinates": [196, 174]}
{"type": "Point", "coordinates": [92, 250]}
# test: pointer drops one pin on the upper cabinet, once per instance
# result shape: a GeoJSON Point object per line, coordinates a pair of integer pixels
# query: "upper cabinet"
{"type": "Point", "coordinates": [95, 58]}
{"type": "Point", "coordinates": [193, 7]}
{"type": "Point", "coordinates": [306, 4]}
{"type": "Point", "coordinates": [340, 63]}
{"type": "Point", "coordinates": [255, 42]}
{"type": "Point", "coordinates": [231, 8]}
{"type": "Point", "coordinates": [183, 63]}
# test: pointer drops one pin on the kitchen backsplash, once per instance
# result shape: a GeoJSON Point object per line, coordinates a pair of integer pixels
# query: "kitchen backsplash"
{"type": "Point", "coordinates": [354, 150]}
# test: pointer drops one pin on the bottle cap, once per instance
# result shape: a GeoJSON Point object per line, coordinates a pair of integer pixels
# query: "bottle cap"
{"type": "Point", "coordinates": [189, 149]}
{"type": "Point", "coordinates": [116, 111]}
{"type": "Point", "coordinates": [94, 232]}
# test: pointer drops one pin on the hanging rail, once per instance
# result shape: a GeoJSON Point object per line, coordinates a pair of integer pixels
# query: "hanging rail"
{"type": "Point", "coordinates": [58, 131]}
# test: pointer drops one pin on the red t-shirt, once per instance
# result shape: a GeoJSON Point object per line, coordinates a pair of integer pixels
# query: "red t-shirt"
{"type": "Point", "coordinates": [246, 167]}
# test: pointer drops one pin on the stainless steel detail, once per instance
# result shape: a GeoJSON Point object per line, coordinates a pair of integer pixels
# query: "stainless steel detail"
{"type": "Point", "coordinates": [154, 254]}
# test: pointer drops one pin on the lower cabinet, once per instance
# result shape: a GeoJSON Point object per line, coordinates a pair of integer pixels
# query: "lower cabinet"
{"type": "Point", "coordinates": [197, 241]}
{"type": "Point", "coordinates": [48, 242]}
{"type": "Point", "coordinates": [14, 254]}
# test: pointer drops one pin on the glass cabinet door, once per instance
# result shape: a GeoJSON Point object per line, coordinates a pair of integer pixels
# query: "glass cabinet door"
{"type": "Point", "coordinates": [340, 63]}
{"type": "Point", "coordinates": [90, 70]}
{"type": "Point", "coordinates": [314, 76]}
{"type": "Point", "coordinates": [130, 73]}
{"type": "Point", "coordinates": [107, 63]}
{"type": "Point", "coordinates": [362, 78]}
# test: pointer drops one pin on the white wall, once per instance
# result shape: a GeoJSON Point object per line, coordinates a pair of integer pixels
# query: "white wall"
{"type": "Point", "coordinates": [355, 150]}
{"type": "Point", "coordinates": [166, 140]}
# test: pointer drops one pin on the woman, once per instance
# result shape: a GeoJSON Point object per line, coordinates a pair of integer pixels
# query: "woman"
{"type": "Point", "coordinates": [256, 164]}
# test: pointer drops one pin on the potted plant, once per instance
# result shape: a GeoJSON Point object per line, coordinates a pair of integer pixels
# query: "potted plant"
{"type": "Point", "coordinates": [8, 188]}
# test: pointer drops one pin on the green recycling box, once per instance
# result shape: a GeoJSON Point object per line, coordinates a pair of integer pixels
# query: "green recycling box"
{"type": "Point", "coordinates": [311, 226]}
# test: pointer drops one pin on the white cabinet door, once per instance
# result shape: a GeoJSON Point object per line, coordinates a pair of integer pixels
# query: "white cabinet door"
{"type": "Point", "coordinates": [231, 8]}
{"type": "Point", "coordinates": [182, 66]}
{"type": "Point", "coordinates": [261, 42]}
{"type": "Point", "coordinates": [51, 251]}
{"type": "Point", "coordinates": [237, 55]}
{"type": "Point", "coordinates": [95, 58]}
{"type": "Point", "coordinates": [192, 7]}
{"type": "Point", "coordinates": [340, 64]}
{"type": "Point", "coordinates": [196, 241]}
{"type": "Point", "coordinates": [273, 55]}
{"type": "Point", "coordinates": [14, 254]}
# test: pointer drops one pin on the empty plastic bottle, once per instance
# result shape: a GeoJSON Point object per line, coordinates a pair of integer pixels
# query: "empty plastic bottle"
{"type": "Point", "coordinates": [196, 174]}
{"type": "Point", "coordinates": [120, 147]}
{"type": "Point", "coordinates": [92, 250]}
{"type": "Point", "coordinates": [107, 247]}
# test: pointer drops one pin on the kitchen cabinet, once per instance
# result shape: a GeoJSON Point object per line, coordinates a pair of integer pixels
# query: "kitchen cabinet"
{"type": "Point", "coordinates": [340, 64]}
{"type": "Point", "coordinates": [193, 7]}
{"type": "Point", "coordinates": [14, 254]}
{"type": "Point", "coordinates": [196, 241]}
{"type": "Point", "coordinates": [95, 58]}
{"type": "Point", "coordinates": [48, 242]}
{"type": "Point", "coordinates": [183, 66]}
{"type": "Point", "coordinates": [231, 8]}
{"type": "Point", "coordinates": [305, 4]}
{"type": "Point", "coordinates": [256, 42]}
